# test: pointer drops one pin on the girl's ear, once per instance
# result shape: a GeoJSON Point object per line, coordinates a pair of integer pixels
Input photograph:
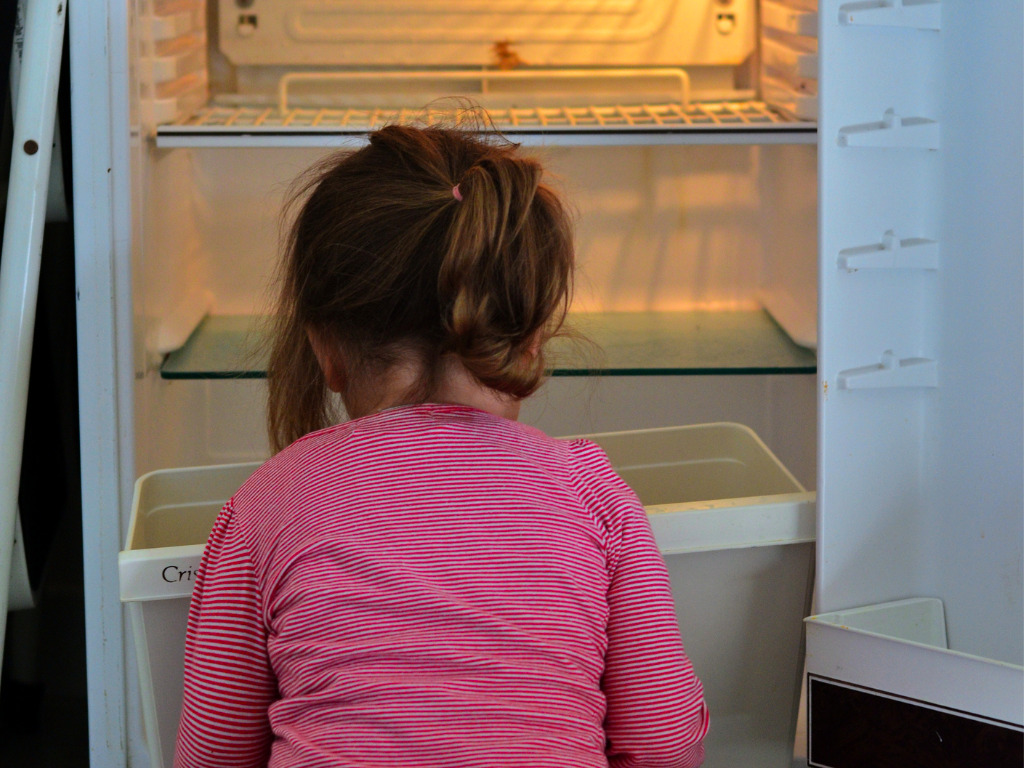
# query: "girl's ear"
{"type": "Point", "coordinates": [330, 359]}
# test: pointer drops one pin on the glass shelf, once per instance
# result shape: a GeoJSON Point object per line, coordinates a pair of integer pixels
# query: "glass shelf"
{"type": "Point", "coordinates": [629, 344]}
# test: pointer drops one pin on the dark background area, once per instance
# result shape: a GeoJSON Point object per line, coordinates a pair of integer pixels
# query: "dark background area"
{"type": "Point", "coordinates": [43, 710]}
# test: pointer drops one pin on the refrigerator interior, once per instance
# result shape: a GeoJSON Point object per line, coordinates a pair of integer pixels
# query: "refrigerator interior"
{"type": "Point", "coordinates": [718, 221]}
{"type": "Point", "coordinates": [685, 220]}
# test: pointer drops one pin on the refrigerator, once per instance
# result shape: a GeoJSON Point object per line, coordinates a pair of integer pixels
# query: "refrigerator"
{"type": "Point", "coordinates": [802, 217]}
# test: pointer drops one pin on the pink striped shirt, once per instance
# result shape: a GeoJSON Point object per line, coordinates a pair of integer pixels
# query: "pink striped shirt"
{"type": "Point", "coordinates": [433, 585]}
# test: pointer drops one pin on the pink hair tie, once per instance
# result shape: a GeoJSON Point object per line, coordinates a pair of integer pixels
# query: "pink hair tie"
{"type": "Point", "coordinates": [456, 194]}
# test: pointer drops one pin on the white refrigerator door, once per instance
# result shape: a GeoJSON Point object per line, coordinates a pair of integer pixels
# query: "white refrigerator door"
{"type": "Point", "coordinates": [920, 345]}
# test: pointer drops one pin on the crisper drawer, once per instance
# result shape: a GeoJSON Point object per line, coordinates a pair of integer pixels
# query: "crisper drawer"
{"type": "Point", "coordinates": [736, 529]}
{"type": "Point", "coordinates": [172, 515]}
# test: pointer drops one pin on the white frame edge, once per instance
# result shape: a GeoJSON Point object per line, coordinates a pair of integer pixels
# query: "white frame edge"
{"type": "Point", "coordinates": [100, 134]}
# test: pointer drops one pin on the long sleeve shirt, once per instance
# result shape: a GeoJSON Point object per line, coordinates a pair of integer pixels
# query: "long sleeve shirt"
{"type": "Point", "coordinates": [434, 585]}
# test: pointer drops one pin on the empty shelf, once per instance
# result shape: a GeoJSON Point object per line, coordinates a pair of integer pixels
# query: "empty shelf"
{"type": "Point", "coordinates": [698, 123]}
{"type": "Point", "coordinates": [629, 344]}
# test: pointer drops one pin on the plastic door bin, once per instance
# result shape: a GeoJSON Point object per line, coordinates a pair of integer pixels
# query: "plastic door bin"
{"type": "Point", "coordinates": [893, 660]}
{"type": "Point", "coordinates": [736, 529]}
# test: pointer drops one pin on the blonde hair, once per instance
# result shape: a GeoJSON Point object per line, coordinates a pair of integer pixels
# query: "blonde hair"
{"type": "Point", "coordinates": [426, 242]}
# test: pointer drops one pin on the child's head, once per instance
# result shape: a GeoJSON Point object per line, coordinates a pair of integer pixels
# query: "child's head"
{"type": "Point", "coordinates": [427, 245]}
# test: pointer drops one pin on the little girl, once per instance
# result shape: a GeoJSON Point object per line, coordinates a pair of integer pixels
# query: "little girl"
{"type": "Point", "coordinates": [431, 583]}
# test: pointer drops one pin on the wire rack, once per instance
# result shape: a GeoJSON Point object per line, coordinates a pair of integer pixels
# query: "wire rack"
{"type": "Point", "coordinates": [716, 115]}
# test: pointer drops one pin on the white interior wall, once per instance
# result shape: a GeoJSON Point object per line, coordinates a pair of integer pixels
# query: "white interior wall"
{"type": "Point", "coordinates": [659, 227]}
{"type": "Point", "coordinates": [788, 193]}
{"type": "Point", "coordinates": [171, 266]}
{"type": "Point", "coordinates": [664, 227]}
{"type": "Point", "coordinates": [170, 287]}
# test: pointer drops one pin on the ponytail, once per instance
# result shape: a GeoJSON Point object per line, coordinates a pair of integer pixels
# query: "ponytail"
{"type": "Point", "coordinates": [504, 280]}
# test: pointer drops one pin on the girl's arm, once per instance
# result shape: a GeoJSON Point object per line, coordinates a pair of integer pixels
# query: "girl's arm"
{"type": "Point", "coordinates": [228, 680]}
{"type": "Point", "coordinates": [656, 716]}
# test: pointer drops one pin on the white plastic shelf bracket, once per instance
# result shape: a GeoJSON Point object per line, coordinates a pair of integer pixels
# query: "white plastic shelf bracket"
{"type": "Point", "coordinates": [914, 14]}
{"type": "Point", "coordinates": [169, 26]}
{"type": "Point", "coordinates": [172, 61]}
{"type": "Point", "coordinates": [796, 21]}
{"type": "Point", "coordinates": [892, 132]}
{"type": "Point", "coordinates": [183, 57]}
{"type": "Point", "coordinates": [891, 372]}
{"type": "Point", "coordinates": [892, 253]}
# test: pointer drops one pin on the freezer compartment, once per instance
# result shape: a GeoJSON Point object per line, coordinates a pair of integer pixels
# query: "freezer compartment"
{"type": "Point", "coordinates": [414, 33]}
{"type": "Point", "coordinates": [789, 57]}
{"type": "Point", "coordinates": [887, 670]}
{"type": "Point", "coordinates": [280, 73]}
{"type": "Point", "coordinates": [736, 529]}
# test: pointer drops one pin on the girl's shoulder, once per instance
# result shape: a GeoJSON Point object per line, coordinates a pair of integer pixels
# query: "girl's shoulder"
{"type": "Point", "coordinates": [591, 465]}
{"type": "Point", "coordinates": [599, 485]}
{"type": "Point", "coordinates": [271, 490]}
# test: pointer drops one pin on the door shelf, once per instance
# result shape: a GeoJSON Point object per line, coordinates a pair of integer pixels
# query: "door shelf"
{"type": "Point", "coordinates": [900, 650]}
{"type": "Point", "coordinates": [892, 132]}
{"type": "Point", "coordinates": [914, 14]}
{"type": "Point", "coordinates": [698, 123]}
{"type": "Point", "coordinates": [892, 253]}
{"type": "Point", "coordinates": [892, 372]}
{"type": "Point", "coordinates": [630, 344]}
